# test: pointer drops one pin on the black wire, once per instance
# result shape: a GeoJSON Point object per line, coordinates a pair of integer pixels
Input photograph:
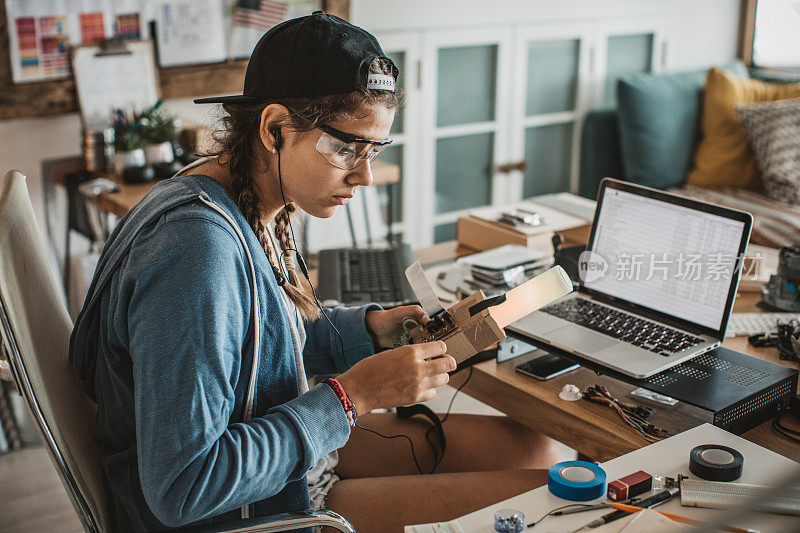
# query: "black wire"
{"type": "Point", "coordinates": [439, 455]}
{"type": "Point", "coordinates": [398, 436]}
{"type": "Point", "coordinates": [551, 511]}
{"type": "Point", "coordinates": [789, 433]}
{"type": "Point", "coordinates": [291, 229]}
{"type": "Point", "coordinates": [294, 249]}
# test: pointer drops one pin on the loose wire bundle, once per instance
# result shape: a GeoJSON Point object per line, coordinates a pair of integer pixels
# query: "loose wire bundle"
{"type": "Point", "coordinates": [633, 415]}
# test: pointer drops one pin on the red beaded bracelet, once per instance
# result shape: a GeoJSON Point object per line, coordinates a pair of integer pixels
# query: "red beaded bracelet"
{"type": "Point", "coordinates": [348, 406]}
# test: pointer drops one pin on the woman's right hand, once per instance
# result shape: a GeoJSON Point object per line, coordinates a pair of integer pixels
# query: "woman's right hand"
{"type": "Point", "coordinates": [402, 376]}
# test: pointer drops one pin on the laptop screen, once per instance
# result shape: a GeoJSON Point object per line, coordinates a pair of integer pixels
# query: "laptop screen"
{"type": "Point", "coordinates": [667, 255]}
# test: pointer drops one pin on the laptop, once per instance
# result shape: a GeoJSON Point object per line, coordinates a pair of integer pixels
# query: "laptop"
{"type": "Point", "coordinates": [657, 282]}
{"type": "Point", "coordinates": [356, 276]}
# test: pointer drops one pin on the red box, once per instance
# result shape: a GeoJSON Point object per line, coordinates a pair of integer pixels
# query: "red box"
{"type": "Point", "coordinates": [629, 486]}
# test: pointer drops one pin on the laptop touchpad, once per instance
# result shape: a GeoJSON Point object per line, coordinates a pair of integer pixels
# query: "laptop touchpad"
{"type": "Point", "coordinates": [580, 340]}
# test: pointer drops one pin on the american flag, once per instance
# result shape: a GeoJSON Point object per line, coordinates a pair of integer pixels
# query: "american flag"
{"type": "Point", "coordinates": [262, 14]}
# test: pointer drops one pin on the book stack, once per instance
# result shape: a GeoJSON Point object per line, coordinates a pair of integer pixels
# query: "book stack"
{"type": "Point", "coordinates": [505, 267]}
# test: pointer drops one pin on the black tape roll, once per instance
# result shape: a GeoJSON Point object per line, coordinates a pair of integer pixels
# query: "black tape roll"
{"type": "Point", "coordinates": [716, 463]}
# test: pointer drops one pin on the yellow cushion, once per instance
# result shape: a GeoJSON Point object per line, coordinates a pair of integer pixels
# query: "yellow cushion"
{"type": "Point", "coordinates": [724, 157]}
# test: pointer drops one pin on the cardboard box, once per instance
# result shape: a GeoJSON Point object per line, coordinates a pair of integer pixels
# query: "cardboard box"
{"type": "Point", "coordinates": [481, 234]}
{"type": "Point", "coordinates": [469, 334]}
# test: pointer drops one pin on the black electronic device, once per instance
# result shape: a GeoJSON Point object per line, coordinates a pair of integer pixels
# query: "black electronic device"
{"type": "Point", "coordinates": [736, 391]}
{"type": "Point", "coordinates": [546, 366]}
{"type": "Point", "coordinates": [356, 276]}
{"type": "Point", "coordinates": [782, 292]}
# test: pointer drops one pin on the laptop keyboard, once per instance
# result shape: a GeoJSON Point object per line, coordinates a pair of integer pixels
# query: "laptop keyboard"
{"type": "Point", "coordinates": [623, 326]}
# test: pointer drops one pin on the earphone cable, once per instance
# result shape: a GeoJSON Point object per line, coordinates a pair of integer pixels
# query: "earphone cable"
{"type": "Point", "coordinates": [440, 455]}
{"type": "Point", "coordinates": [304, 270]}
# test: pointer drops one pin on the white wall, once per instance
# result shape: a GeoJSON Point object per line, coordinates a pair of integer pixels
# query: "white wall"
{"type": "Point", "coordinates": [25, 143]}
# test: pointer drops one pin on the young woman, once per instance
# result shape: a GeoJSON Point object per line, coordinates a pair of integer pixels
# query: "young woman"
{"type": "Point", "coordinates": [197, 335]}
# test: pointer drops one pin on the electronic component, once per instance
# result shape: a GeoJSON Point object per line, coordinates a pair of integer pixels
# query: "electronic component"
{"type": "Point", "coordinates": [754, 323]}
{"type": "Point", "coordinates": [634, 415]}
{"type": "Point", "coordinates": [475, 323]}
{"type": "Point", "coordinates": [717, 495]}
{"type": "Point", "coordinates": [509, 521]}
{"type": "Point", "coordinates": [734, 391]}
{"type": "Point", "coordinates": [439, 326]}
{"type": "Point", "coordinates": [629, 486]}
{"type": "Point", "coordinates": [782, 292]}
{"type": "Point", "coordinates": [464, 334]}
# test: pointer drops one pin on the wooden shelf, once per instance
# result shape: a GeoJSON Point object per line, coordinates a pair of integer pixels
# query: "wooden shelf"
{"type": "Point", "coordinates": [120, 202]}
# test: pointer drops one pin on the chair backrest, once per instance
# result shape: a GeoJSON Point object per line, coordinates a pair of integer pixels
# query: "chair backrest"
{"type": "Point", "coordinates": [35, 328]}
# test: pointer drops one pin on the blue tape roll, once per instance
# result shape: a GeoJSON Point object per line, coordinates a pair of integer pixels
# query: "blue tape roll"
{"type": "Point", "coordinates": [577, 481]}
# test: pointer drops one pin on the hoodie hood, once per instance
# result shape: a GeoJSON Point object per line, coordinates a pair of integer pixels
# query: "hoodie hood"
{"type": "Point", "coordinates": [84, 345]}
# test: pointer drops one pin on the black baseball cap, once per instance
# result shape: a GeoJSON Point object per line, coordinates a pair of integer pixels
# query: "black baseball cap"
{"type": "Point", "coordinates": [315, 55]}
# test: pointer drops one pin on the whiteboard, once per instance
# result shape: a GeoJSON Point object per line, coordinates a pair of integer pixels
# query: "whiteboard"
{"type": "Point", "coordinates": [108, 82]}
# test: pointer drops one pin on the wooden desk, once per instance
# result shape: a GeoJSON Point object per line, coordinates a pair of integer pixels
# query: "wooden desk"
{"type": "Point", "coordinates": [122, 201]}
{"type": "Point", "coordinates": [596, 430]}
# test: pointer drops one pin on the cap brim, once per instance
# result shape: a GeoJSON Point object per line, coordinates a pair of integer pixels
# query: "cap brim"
{"type": "Point", "coordinates": [235, 99]}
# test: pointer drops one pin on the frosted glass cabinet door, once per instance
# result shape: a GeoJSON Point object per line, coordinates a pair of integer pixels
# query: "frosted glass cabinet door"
{"type": "Point", "coordinates": [465, 131]}
{"type": "Point", "coordinates": [466, 84]}
{"type": "Point", "coordinates": [548, 153]}
{"type": "Point", "coordinates": [464, 171]}
{"type": "Point", "coordinates": [626, 54]}
{"type": "Point", "coordinates": [553, 65]}
{"type": "Point", "coordinates": [552, 76]}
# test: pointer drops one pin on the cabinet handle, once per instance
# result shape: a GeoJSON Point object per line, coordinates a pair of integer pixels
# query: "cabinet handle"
{"type": "Point", "coordinates": [510, 167]}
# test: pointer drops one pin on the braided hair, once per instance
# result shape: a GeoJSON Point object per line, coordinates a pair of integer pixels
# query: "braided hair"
{"type": "Point", "coordinates": [238, 140]}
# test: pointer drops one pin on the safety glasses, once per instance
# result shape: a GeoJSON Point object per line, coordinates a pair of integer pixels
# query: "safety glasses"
{"type": "Point", "coordinates": [347, 151]}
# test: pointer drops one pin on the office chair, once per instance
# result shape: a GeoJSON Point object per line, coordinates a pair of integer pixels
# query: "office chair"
{"type": "Point", "coordinates": [35, 329]}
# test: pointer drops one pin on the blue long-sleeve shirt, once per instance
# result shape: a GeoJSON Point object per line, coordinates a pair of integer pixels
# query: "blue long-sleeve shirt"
{"type": "Point", "coordinates": [165, 346]}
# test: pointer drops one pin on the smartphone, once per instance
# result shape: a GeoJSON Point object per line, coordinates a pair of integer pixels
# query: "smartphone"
{"type": "Point", "coordinates": [546, 366]}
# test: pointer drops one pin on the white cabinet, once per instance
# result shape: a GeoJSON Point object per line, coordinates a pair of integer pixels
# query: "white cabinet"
{"type": "Point", "coordinates": [493, 113]}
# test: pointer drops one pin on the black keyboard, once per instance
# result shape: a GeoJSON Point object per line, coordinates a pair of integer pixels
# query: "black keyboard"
{"type": "Point", "coordinates": [623, 326]}
{"type": "Point", "coordinates": [363, 275]}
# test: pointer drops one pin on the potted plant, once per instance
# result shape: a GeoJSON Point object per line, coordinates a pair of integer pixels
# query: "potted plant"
{"type": "Point", "coordinates": [158, 130]}
{"type": "Point", "coordinates": [128, 152]}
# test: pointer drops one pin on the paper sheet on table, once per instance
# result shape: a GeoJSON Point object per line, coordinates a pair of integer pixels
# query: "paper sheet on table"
{"type": "Point", "coordinates": [435, 527]}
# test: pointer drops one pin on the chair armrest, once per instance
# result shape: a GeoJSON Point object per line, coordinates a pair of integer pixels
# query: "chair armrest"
{"type": "Point", "coordinates": [278, 522]}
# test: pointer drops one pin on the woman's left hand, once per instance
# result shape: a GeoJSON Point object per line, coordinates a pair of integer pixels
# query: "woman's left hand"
{"type": "Point", "coordinates": [386, 326]}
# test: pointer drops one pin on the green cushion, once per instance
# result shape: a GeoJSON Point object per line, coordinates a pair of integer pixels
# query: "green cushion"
{"type": "Point", "coordinates": [659, 124]}
{"type": "Point", "coordinates": [599, 150]}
